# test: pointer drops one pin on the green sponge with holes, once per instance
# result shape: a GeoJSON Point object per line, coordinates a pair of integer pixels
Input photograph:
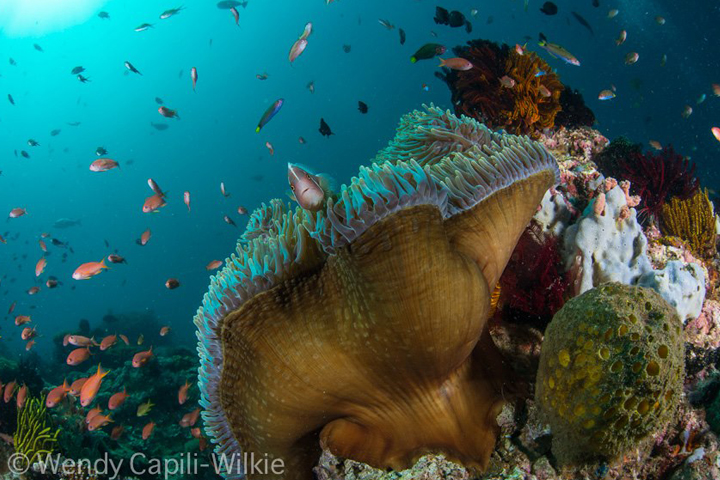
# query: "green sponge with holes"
{"type": "Point", "coordinates": [611, 371]}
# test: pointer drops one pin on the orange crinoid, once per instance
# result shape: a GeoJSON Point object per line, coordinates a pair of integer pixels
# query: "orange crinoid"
{"type": "Point", "coordinates": [526, 108]}
{"type": "Point", "coordinates": [362, 327]}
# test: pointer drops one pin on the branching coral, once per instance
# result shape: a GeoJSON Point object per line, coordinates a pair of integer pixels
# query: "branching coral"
{"type": "Point", "coordinates": [35, 437]}
{"type": "Point", "coordinates": [659, 177]}
{"type": "Point", "coordinates": [363, 327]}
{"type": "Point", "coordinates": [528, 107]}
{"type": "Point", "coordinates": [692, 220]}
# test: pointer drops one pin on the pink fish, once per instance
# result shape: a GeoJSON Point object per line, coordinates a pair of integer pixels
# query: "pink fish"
{"type": "Point", "coordinates": [17, 212]}
{"type": "Point", "coordinates": [194, 76]}
{"type": "Point", "coordinates": [306, 188]}
{"type": "Point", "coordinates": [103, 165]}
{"type": "Point", "coordinates": [297, 49]}
{"type": "Point", "coordinates": [168, 113]}
{"type": "Point", "coordinates": [186, 199]}
{"type": "Point", "coordinates": [235, 14]}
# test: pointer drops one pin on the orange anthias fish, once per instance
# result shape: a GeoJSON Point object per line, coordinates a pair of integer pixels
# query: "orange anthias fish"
{"type": "Point", "coordinates": [80, 341]}
{"type": "Point", "coordinates": [186, 199]}
{"type": "Point", "coordinates": [22, 320]}
{"type": "Point", "coordinates": [108, 342]}
{"type": "Point", "coordinates": [33, 290]}
{"type": "Point", "coordinates": [91, 387]}
{"type": "Point", "coordinates": [89, 270]}
{"type": "Point", "coordinates": [103, 165]}
{"type": "Point", "coordinates": [99, 421]}
{"type": "Point", "coordinates": [214, 265]}
{"type": "Point", "coordinates": [222, 190]}
{"type": "Point", "coordinates": [154, 202]}
{"type": "Point", "coordinates": [147, 430]}
{"type": "Point", "coordinates": [43, 247]}
{"type": "Point", "coordinates": [270, 148]}
{"type": "Point", "coordinates": [183, 393]}
{"type": "Point", "coordinates": [56, 395]}
{"type": "Point", "coordinates": [21, 396]}
{"type": "Point", "coordinates": [116, 432]}
{"type": "Point", "coordinates": [77, 386]}
{"type": "Point", "coordinates": [655, 144]}
{"type": "Point", "coordinates": [145, 237]}
{"type": "Point", "coordinates": [164, 331]}
{"type": "Point", "coordinates": [189, 419]}
{"type": "Point", "coordinates": [716, 133]}
{"type": "Point", "coordinates": [236, 15]}
{"type": "Point", "coordinates": [456, 63]}
{"type": "Point", "coordinates": [40, 266]}
{"type": "Point", "coordinates": [92, 414]}
{"type": "Point", "coordinates": [9, 391]}
{"type": "Point", "coordinates": [124, 339]}
{"type": "Point", "coordinates": [141, 358]}
{"type": "Point", "coordinates": [117, 399]}
{"type": "Point", "coordinates": [29, 345]}
{"type": "Point", "coordinates": [28, 333]}
{"type": "Point", "coordinates": [78, 356]}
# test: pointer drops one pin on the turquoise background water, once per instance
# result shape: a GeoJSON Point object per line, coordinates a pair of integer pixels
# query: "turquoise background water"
{"type": "Point", "coordinates": [215, 140]}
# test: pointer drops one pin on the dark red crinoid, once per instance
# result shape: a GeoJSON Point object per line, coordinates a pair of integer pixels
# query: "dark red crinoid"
{"type": "Point", "coordinates": [533, 284]}
{"type": "Point", "coordinates": [659, 177]}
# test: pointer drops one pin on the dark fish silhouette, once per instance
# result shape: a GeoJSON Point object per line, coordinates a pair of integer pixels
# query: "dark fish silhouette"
{"type": "Point", "coordinates": [347, 48]}
{"type": "Point", "coordinates": [10, 98]}
{"type": "Point", "coordinates": [38, 47]}
{"type": "Point", "coordinates": [132, 68]}
{"type": "Point", "coordinates": [583, 22]}
{"type": "Point", "coordinates": [159, 126]}
{"type": "Point", "coordinates": [104, 15]}
{"type": "Point", "coordinates": [228, 4]}
{"type": "Point", "coordinates": [13, 62]}
{"type": "Point", "coordinates": [362, 106]}
{"type": "Point", "coordinates": [549, 8]}
{"type": "Point", "coordinates": [77, 70]}
{"type": "Point", "coordinates": [55, 132]}
{"type": "Point", "coordinates": [82, 80]}
{"type": "Point", "coordinates": [159, 100]}
{"type": "Point", "coordinates": [442, 16]}
{"type": "Point", "coordinates": [402, 36]}
{"type": "Point", "coordinates": [325, 128]}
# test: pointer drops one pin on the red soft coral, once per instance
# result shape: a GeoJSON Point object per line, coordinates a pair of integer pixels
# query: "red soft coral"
{"type": "Point", "coordinates": [533, 284]}
{"type": "Point", "coordinates": [659, 177]}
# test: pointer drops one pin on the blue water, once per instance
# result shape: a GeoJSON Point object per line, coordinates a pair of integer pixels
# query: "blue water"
{"type": "Point", "coordinates": [215, 139]}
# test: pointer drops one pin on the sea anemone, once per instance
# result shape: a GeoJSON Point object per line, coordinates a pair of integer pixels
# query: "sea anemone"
{"type": "Point", "coordinates": [528, 107]}
{"type": "Point", "coordinates": [659, 177]}
{"type": "Point", "coordinates": [363, 326]}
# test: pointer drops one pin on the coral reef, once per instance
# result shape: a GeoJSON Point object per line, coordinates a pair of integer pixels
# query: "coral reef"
{"type": "Point", "coordinates": [610, 160]}
{"type": "Point", "coordinates": [311, 331]}
{"type": "Point", "coordinates": [693, 221]}
{"type": "Point", "coordinates": [34, 437]}
{"type": "Point", "coordinates": [427, 467]}
{"type": "Point", "coordinates": [658, 177]}
{"type": "Point", "coordinates": [611, 371]}
{"type": "Point", "coordinates": [528, 107]}
{"type": "Point", "coordinates": [533, 284]}
{"type": "Point", "coordinates": [608, 245]}
{"type": "Point", "coordinates": [573, 113]}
